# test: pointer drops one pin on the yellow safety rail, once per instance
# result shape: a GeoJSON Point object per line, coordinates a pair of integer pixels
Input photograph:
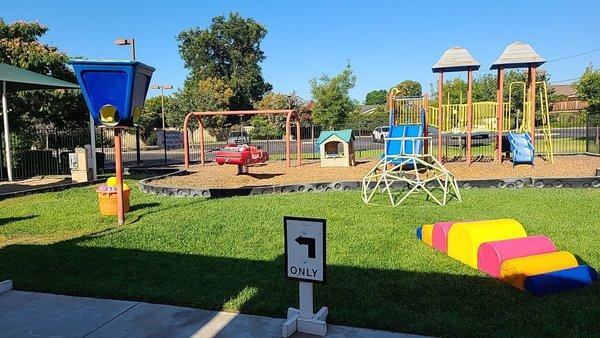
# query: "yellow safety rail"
{"type": "Point", "coordinates": [546, 129]}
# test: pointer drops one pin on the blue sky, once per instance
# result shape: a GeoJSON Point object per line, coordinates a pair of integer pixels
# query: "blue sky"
{"type": "Point", "coordinates": [385, 41]}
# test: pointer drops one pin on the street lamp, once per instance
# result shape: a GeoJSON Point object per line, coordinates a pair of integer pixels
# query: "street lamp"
{"type": "Point", "coordinates": [127, 42]}
{"type": "Point", "coordinates": [162, 108]}
{"type": "Point", "coordinates": [131, 42]}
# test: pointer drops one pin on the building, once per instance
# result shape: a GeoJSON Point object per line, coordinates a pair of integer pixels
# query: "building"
{"type": "Point", "coordinates": [569, 100]}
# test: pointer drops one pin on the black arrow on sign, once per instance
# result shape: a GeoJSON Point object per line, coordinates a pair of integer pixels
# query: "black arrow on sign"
{"type": "Point", "coordinates": [311, 245]}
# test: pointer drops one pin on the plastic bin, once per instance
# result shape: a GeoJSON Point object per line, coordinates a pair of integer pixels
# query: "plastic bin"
{"type": "Point", "coordinates": [108, 202]}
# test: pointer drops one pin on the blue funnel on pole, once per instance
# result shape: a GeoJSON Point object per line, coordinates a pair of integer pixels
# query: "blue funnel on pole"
{"type": "Point", "coordinates": [114, 90]}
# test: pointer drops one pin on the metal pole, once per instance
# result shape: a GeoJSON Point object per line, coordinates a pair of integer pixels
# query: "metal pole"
{"type": "Point", "coordinates": [119, 174]}
{"type": "Point", "coordinates": [6, 134]}
{"type": "Point", "coordinates": [133, 49]}
{"type": "Point", "coordinates": [162, 108]}
{"type": "Point", "coordinates": [138, 158]}
{"type": "Point", "coordinates": [469, 112]}
{"type": "Point", "coordinates": [532, 78]}
{"type": "Point", "coordinates": [93, 146]}
{"type": "Point", "coordinates": [500, 114]}
{"type": "Point", "coordinates": [440, 114]}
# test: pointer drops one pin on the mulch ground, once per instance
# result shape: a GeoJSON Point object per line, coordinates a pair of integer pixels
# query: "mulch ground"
{"type": "Point", "coordinates": [215, 176]}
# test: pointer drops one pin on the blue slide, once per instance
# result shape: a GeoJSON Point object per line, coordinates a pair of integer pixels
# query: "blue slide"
{"type": "Point", "coordinates": [521, 148]}
{"type": "Point", "coordinates": [404, 147]}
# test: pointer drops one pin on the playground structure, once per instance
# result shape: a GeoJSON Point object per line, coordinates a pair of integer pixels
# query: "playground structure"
{"type": "Point", "coordinates": [502, 249]}
{"type": "Point", "coordinates": [336, 148]}
{"type": "Point", "coordinates": [406, 167]}
{"type": "Point", "coordinates": [243, 156]}
{"type": "Point", "coordinates": [471, 119]}
{"type": "Point", "coordinates": [115, 93]}
{"type": "Point", "coordinates": [261, 158]}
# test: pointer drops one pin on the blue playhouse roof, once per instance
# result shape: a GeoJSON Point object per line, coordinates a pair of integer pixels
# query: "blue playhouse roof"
{"type": "Point", "coordinates": [346, 135]}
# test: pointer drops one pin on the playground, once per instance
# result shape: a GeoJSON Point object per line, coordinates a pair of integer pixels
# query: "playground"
{"type": "Point", "coordinates": [130, 238]}
{"type": "Point", "coordinates": [277, 172]}
{"type": "Point", "coordinates": [182, 251]}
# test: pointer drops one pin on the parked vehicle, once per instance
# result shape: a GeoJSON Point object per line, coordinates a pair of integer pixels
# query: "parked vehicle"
{"type": "Point", "coordinates": [380, 133]}
{"type": "Point", "coordinates": [238, 137]}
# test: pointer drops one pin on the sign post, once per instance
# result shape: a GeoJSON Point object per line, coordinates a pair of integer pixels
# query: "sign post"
{"type": "Point", "coordinates": [305, 261]}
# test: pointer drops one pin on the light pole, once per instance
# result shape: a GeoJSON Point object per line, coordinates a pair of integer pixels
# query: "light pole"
{"type": "Point", "coordinates": [127, 42]}
{"type": "Point", "coordinates": [162, 109]}
{"type": "Point", "coordinates": [131, 42]}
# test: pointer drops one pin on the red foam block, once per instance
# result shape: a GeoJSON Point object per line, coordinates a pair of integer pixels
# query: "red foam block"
{"type": "Point", "coordinates": [440, 235]}
{"type": "Point", "coordinates": [491, 254]}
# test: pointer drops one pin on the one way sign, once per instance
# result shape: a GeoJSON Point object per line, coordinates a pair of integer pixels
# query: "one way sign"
{"type": "Point", "coordinates": [305, 249]}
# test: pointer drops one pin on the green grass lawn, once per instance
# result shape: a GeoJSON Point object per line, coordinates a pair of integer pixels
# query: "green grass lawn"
{"type": "Point", "coordinates": [226, 254]}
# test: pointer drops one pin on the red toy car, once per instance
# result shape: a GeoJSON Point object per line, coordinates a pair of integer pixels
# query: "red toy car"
{"type": "Point", "coordinates": [243, 156]}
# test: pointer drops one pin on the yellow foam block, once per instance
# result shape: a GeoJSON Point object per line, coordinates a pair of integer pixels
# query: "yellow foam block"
{"type": "Point", "coordinates": [465, 238]}
{"type": "Point", "coordinates": [427, 234]}
{"type": "Point", "coordinates": [514, 271]}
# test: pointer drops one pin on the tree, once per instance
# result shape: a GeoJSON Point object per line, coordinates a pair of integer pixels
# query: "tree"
{"type": "Point", "coordinates": [376, 97]}
{"type": "Point", "coordinates": [229, 51]}
{"type": "Point", "coordinates": [273, 125]}
{"type": "Point", "coordinates": [19, 47]}
{"type": "Point", "coordinates": [409, 88]}
{"type": "Point", "coordinates": [211, 94]}
{"type": "Point", "coordinates": [332, 102]}
{"type": "Point", "coordinates": [588, 88]}
{"type": "Point", "coordinates": [152, 117]}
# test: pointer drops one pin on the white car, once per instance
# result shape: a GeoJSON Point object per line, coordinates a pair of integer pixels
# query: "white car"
{"type": "Point", "coordinates": [380, 133]}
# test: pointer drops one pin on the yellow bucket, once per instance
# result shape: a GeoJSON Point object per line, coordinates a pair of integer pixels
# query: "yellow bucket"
{"type": "Point", "coordinates": [108, 202]}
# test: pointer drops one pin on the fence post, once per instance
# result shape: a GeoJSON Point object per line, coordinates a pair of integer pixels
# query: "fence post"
{"type": "Point", "coordinates": [137, 147]}
{"type": "Point", "coordinates": [165, 144]}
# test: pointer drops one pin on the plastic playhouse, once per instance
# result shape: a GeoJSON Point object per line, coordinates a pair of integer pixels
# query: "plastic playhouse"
{"type": "Point", "coordinates": [336, 148]}
{"type": "Point", "coordinates": [502, 249]}
{"type": "Point", "coordinates": [243, 156]}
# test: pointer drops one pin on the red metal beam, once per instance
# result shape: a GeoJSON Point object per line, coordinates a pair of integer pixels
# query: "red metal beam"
{"type": "Point", "coordinates": [119, 175]}
{"type": "Point", "coordinates": [440, 112]}
{"type": "Point", "coordinates": [500, 113]}
{"type": "Point", "coordinates": [469, 112]}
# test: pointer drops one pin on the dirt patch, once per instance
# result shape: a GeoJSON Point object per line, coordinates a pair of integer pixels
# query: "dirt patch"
{"type": "Point", "coordinates": [274, 173]}
{"type": "Point", "coordinates": [33, 183]}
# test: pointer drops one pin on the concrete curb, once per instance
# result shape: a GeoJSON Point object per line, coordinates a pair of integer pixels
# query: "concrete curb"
{"type": "Point", "coordinates": [147, 186]}
{"type": "Point", "coordinates": [59, 187]}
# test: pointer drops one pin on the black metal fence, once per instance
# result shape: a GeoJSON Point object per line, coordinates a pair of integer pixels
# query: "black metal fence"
{"type": "Point", "coordinates": [45, 151]}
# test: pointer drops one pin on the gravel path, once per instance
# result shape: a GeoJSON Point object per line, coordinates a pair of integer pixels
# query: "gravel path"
{"type": "Point", "coordinates": [215, 176]}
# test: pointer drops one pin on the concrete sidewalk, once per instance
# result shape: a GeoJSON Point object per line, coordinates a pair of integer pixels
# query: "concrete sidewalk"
{"type": "Point", "coordinates": [30, 314]}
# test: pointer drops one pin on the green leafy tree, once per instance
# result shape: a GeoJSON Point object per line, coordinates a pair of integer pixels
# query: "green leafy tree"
{"type": "Point", "coordinates": [273, 125]}
{"type": "Point", "coordinates": [152, 117]}
{"type": "Point", "coordinates": [229, 50]}
{"type": "Point", "coordinates": [19, 47]}
{"type": "Point", "coordinates": [376, 97]}
{"type": "Point", "coordinates": [211, 94]}
{"type": "Point", "coordinates": [332, 102]}
{"type": "Point", "coordinates": [409, 88]}
{"type": "Point", "coordinates": [588, 88]}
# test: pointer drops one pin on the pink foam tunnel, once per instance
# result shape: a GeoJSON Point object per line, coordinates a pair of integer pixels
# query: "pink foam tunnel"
{"type": "Point", "coordinates": [491, 254]}
{"type": "Point", "coordinates": [440, 235]}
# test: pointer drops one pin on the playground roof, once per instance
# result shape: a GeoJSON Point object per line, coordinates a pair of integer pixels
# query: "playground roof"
{"type": "Point", "coordinates": [455, 59]}
{"type": "Point", "coordinates": [18, 79]}
{"type": "Point", "coordinates": [518, 55]}
{"type": "Point", "coordinates": [345, 135]}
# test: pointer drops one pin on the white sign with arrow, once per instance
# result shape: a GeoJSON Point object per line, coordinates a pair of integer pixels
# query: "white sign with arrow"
{"type": "Point", "coordinates": [305, 261]}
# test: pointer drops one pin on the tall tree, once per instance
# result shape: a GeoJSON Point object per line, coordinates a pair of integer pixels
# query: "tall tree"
{"type": "Point", "coordinates": [19, 47]}
{"type": "Point", "coordinates": [273, 125]}
{"type": "Point", "coordinates": [376, 97]}
{"type": "Point", "coordinates": [152, 116]}
{"type": "Point", "coordinates": [210, 94]}
{"type": "Point", "coordinates": [229, 50]}
{"type": "Point", "coordinates": [588, 88]}
{"type": "Point", "coordinates": [409, 88]}
{"type": "Point", "coordinates": [332, 102]}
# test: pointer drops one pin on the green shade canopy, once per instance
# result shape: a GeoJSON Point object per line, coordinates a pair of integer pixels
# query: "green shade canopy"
{"type": "Point", "coordinates": [18, 79]}
{"type": "Point", "coordinates": [14, 79]}
{"type": "Point", "coordinates": [345, 135]}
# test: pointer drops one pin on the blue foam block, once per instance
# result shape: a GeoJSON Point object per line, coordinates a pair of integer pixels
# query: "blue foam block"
{"type": "Point", "coordinates": [420, 233]}
{"type": "Point", "coordinates": [561, 280]}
